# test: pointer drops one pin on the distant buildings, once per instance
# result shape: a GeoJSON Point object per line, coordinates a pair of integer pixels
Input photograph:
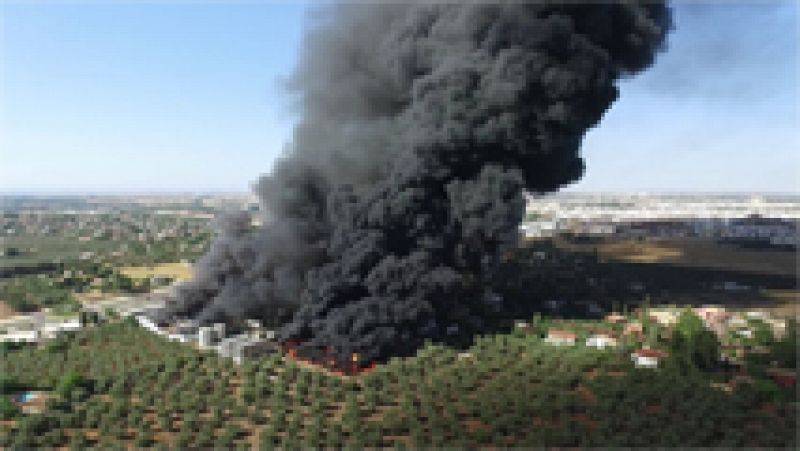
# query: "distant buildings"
{"type": "Point", "coordinates": [125, 306]}
{"type": "Point", "coordinates": [774, 231]}
{"type": "Point", "coordinates": [36, 328]}
{"type": "Point", "coordinates": [768, 221]}
{"type": "Point", "coordinates": [253, 342]}
{"type": "Point", "coordinates": [54, 328]}
{"type": "Point", "coordinates": [149, 324]}
{"type": "Point", "coordinates": [244, 346]}
{"type": "Point", "coordinates": [208, 336]}
{"type": "Point", "coordinates": [20, 336]}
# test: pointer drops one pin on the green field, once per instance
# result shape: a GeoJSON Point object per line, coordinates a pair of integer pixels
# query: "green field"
{"type": "Point", "coordinates": [48, 249]}
{"type": "Point", "coordinates": [118, 386]}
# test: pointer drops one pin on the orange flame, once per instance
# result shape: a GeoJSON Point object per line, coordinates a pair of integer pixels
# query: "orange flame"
{"type": "Point", "coordinates": [329, 364]}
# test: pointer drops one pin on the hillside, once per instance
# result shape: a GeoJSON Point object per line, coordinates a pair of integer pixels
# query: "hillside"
{"type": "Point", "coordinates": [122, 386]}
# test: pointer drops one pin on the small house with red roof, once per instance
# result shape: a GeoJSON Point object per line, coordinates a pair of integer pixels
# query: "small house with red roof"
{"type": "Point", "coordinates": [647, 358]}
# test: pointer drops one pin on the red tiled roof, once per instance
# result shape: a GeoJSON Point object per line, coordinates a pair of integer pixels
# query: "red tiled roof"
{"type": "Point", "coordinates": [650, 353]}
{"type": "Point", "coordinates": [784, 377]}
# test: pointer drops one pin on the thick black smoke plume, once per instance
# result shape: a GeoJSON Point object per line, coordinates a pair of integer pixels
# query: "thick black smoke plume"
{"type": "Point", "coordinates": [423, 124]}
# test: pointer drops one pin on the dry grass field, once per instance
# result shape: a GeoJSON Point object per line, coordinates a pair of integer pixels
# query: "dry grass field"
{"type": "Point", "coordinates": [704, 254]}
{"type": "Point", "coordinates": [692, 252]}
{"type": "Point", "coordinates": [6, 311]}
{"type": "Point", "coordinates": [177, 271]}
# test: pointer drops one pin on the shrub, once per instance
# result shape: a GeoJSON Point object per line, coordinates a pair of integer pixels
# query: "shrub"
{"type": "Point", "coordinates": [8, 409]}
{"type": "Point", "coordinates": [71, 381]}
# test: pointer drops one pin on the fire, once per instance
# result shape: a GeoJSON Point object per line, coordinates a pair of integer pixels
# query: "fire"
{"type": "Point", "coordinates": [329, 364]}
{"type": "Point", "coordinates": [290, 348]}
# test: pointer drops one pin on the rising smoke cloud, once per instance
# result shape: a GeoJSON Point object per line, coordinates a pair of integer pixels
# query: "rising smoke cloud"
{"type": "Point", "coordinates": [423, 125]}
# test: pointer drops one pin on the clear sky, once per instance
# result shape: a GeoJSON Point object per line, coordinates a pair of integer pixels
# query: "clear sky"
{"type": "Point", "coordinates": [186, 97]}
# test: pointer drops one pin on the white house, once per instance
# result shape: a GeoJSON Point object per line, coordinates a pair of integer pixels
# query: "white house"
{"type": "Point", "coordinates": [647, 358]}
{"type": "Point", "coordinates": [601, 341]}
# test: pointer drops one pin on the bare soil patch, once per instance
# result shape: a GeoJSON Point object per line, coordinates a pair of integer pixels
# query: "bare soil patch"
{"type": "Point", "coordinates": [6, 311]}
{"type": "Point", "coordinates": [692, 252]}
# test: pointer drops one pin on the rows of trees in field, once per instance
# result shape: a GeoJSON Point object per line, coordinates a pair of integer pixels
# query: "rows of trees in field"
{"type": "Point", "coordinates": [116, 385]}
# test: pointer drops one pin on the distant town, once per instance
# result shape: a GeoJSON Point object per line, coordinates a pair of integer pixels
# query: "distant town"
{"type": "Point", "coordinates": [748, 220]}
{"type": "Point", "coordinates": [647, 290]}
{"type": "Point", "coordinates": [103, 272]}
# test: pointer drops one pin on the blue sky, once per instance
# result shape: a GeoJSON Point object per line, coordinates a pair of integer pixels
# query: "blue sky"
{"type": "Point", "coordinates": [187, 97]}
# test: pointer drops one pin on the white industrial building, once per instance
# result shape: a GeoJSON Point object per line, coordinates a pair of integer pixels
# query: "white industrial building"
{"type": "Point", "coordinates": [20, 336]}
{"type": "Point", "coordinates": [53, 329]}
{"type": "Point", "coordinates": [244, 346]}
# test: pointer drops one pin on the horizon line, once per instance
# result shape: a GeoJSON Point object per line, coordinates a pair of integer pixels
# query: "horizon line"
{"type": "Point", "coordinates": [166, 193]}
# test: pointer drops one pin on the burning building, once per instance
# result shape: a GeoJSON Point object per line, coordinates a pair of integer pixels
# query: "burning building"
{"type": "Point", "coordinates": [423, 126]}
